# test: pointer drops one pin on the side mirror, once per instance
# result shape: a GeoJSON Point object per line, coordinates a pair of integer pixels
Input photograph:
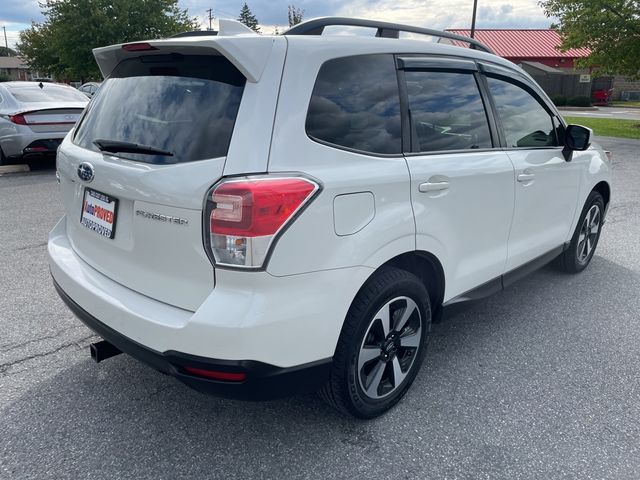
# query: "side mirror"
{"type": "Point", "coordinates": [576, 137]}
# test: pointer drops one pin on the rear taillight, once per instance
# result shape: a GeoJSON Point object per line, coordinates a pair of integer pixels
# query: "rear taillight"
{"type": "Point", "coordinates": [21, 119]}
{"type": "Point", "coordinates": [18, 119]}
{"type": "Point", "coordinates": [244, 216]}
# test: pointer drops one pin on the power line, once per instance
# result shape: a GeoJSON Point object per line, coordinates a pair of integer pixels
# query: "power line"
{"type": "Point", "coordinates": [224, 13]}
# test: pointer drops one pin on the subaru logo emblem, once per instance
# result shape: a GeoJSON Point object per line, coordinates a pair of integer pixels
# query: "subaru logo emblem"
{"type": "Point", "coordinates": [85, 172]}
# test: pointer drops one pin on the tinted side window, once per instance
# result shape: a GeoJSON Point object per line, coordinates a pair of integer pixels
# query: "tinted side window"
{"type": "Point", "coordinates": [356, 104]}
{"type": "Point", "coordinates": [447, 112]}
{"type": "Point", "coordinates": [524, 121]}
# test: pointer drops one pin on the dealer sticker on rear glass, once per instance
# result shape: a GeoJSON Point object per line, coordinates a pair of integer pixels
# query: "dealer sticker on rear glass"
{"type": "Point", "coordinates": [99, 213]}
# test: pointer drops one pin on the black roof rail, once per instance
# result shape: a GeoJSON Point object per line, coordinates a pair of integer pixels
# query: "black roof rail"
{"type": "Point", "coordinates": [385, 29]}
{"type": "Point", "coordinates": [195, 33]}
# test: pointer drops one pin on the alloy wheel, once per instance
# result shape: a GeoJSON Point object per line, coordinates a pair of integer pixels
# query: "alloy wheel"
{"type": "Point", "coordinates": [389, 348]}
{"type": "Point", "coordinates": [588, 234]}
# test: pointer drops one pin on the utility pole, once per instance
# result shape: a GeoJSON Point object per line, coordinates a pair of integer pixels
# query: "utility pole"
{"type": "Point", "coordinates": [210, 18]}
{"type": "Point", "coordinates": [6, 44]}
{"type": "Point", "coordinates": [473, 19]}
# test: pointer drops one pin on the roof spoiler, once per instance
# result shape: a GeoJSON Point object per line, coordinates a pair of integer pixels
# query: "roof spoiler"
{"type": "Point", "coordinates": [246, 50]}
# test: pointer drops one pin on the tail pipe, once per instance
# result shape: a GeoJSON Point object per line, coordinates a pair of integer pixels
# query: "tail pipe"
{"type": "Point", "coordinates": [102, 350]}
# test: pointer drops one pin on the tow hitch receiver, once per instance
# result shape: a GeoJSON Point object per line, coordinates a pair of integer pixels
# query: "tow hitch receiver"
{"type": "Point", "coordinates": [102, 350]}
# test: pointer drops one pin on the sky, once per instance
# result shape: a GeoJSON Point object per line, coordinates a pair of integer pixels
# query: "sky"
{"type": "Point", "coordinates": [439, 14]}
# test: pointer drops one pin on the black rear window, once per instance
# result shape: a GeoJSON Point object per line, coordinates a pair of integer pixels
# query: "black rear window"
{"type": "Point", "coordinates": [183, 104]}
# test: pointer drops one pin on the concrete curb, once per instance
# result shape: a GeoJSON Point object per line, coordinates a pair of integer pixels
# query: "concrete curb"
{"type": "Point", "coordinates": [8, 169]}
{"type": "Point", "coordinates": [577, 109]}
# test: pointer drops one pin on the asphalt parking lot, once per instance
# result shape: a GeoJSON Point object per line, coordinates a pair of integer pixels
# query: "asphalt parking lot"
{"type": "Point", "coordinates": [540, 381]}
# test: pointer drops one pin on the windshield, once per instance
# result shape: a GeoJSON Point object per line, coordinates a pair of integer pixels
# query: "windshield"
{"type": "Point", "coordinates": [183, 104]}
{"type": "Point", "coordinates": [48, 93]}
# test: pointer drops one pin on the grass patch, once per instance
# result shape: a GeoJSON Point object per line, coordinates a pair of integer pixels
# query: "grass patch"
{"type": "Point", "coordinates": [609, 127]}
{"type": "Point", "coordinates": [625, 104]}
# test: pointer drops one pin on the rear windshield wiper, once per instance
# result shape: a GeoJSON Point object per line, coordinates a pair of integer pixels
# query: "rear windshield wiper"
{"type": "Point", "coordinates": [114, 146]}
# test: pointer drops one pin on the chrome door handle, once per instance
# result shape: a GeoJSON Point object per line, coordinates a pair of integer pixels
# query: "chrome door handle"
{"type": "Point", "coordinates": [526, 177]}
{"type": "Point", "coordinates": [433, 186]}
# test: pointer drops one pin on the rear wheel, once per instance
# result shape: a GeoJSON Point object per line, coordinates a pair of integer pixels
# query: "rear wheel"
{"type": "Point", "coordinates": [381, 346]}
{"type": "Point", "coordinates": [585, 238]}
{"type": "Point", "coordinates": [3, 159]}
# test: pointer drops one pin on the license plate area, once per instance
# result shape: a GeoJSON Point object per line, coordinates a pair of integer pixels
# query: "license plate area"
{"type": "Point", "coordinates": [99, 212]}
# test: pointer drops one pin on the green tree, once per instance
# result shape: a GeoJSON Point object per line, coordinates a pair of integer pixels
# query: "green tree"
{"type": "Point", "coordinates": [248, 18]}
{"type": "Point", "coordinates": [63, 43]}
{"type": "Point", "coordinates": [610, 28]}
{"type": "Point", "coordinates": [7, 52]}
{"type": "Point", "coordinates": [295, 15]}
{"type": "Point", "coordinates": [37, 47]}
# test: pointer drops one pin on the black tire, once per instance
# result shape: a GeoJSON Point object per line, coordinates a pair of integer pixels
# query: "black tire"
{"type": "Point", "coordinates": [390, 288]}
{"type": "Point", "coordinates": [574, 259]}
{"type": "Point", "coordinates": [3, 160]}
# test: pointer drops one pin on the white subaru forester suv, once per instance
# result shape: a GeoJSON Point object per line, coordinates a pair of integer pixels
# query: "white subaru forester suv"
{"type": "Point", "coordinates": [264, 215]}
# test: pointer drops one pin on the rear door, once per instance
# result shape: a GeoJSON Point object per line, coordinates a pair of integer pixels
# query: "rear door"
{"type": "Point", "coordinates": [461, 182]}
{"type": "Point", "coordinates": [135, 213]}
{"type": "Point", "coordinates": [546, 186]}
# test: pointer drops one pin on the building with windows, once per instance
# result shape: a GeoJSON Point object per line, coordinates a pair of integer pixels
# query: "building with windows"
{"type": "Point", "coordinates": [14, 68]}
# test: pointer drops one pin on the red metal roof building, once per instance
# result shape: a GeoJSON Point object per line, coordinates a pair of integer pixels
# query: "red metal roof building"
{"type": "Point", "coordinates": [520, 45]}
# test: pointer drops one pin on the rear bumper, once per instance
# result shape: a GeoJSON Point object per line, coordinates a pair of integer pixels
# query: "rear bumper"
{"type": "Point", "coordinates": [46, 148]}
{"type": "Point", "coordinates": [263, 381]}
{"type": "Point", "coordinates": [22, 142]}
{"type": "Point", "coordinates": [277, 330]}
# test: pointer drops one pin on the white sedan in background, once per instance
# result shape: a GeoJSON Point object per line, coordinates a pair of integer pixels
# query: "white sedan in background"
{"type": "Point", "coordinates": [35, 117]}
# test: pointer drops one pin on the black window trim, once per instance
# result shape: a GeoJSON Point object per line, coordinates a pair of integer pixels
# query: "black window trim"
{"type": "Point", "coordinates": [525, 84]}
{"type": "Point", "coordinates": [435, 63]}
{"type": "Point", "coordinates": [352, 150]}
{"type": "Point", "coordinates": [405, 112]}
{"type": "Point", "coordinates": [447, 152]}
{"type": "Point", "coordinates": [497, 132]}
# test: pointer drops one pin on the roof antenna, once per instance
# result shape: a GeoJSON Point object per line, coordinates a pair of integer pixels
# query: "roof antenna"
{"type": "Point", "coordinates": [41, 85]}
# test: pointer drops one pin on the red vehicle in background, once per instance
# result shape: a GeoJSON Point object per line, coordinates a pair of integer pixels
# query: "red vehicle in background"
{"type": "Point", "coordinates": [602, 97]}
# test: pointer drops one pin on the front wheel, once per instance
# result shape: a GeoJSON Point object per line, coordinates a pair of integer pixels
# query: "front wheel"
{"type": "Point", "coordinates": [381, 346]}
{"type": "Point", "coordinates": [585, 238]}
